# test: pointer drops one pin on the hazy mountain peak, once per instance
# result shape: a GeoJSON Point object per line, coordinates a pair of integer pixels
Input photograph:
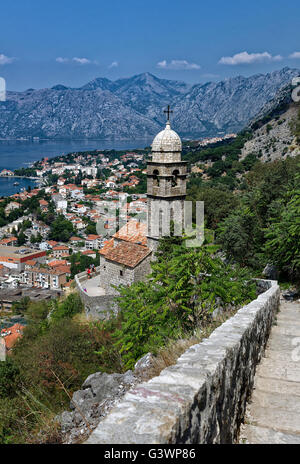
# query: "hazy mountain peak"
{"type": "Point", "coordinates": [59, 87]}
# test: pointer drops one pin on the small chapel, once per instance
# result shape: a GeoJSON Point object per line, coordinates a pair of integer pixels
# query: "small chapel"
{"type": "Point", "coordinates": [126, 257]}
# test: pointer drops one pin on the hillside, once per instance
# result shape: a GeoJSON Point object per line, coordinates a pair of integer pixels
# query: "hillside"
{"type": "Point", "coordinates": [133, 107]}
{"type": "Point", "coordinates": [219, 171]}
{"type": "Point", "coordinates": [273, 136]}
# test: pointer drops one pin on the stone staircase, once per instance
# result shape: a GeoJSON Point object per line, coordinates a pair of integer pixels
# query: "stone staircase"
{"type": "Point", "coordinates": [273, 415]}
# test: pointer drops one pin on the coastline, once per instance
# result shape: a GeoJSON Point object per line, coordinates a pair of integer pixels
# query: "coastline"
{"type": "Point", "coordinates": [20, 177]}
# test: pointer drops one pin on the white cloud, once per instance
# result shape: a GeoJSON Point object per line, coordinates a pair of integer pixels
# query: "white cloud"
{"type": "Point", "coordinates": [75, 60]}
{"type": "Point", "coordinates": [177, 64]}
{"type": "Point", "coordinates": [295, 55]}
{"type": "Point", "coordinates": [114, 64]}
{"type": "Point", "coordinates": [62, 60]}
{"type": "Point", "coordinates": [249, 58]}
{"type": "Point", "coordinates": [81, 60]}
{"type": "Point", "coordinates": [5, 59]}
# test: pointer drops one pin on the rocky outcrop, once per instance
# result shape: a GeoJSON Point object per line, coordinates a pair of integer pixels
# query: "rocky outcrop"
{"type": "Point", "coordinates": [270, 272]}
{"type": "Point", "coordinates": [272, 136]}
{"type": "Point", "coordinates": [99, 393]}
{"type": "Point", "coordinates": [274, 139]}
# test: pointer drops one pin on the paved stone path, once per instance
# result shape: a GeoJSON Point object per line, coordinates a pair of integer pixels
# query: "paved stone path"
{"type": "Point", "coordinates": [92, 286]}
{"type": "Point", "coordinates": [273, 414]}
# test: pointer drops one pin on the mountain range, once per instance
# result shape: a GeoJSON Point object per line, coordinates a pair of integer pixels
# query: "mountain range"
{"type": "Point", "coordinates": [133, 107]}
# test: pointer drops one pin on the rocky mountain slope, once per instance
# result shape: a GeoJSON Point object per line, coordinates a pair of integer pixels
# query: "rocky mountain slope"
{"type": "Point", "coordinates": [133, 107]}
{"type": "Point", "coordinates": [273, 137]}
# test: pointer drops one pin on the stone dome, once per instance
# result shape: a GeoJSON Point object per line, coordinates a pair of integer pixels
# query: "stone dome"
{"type": "Point", "coordinates": [167, 141]}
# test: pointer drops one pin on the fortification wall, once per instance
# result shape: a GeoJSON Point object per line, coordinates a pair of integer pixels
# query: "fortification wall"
{"type": "Point", "coordinates": [202, 398]}
{"type": "Point", "coordinates": [96, 307]}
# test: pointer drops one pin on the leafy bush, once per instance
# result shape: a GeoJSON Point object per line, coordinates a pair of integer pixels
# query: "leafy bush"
{"type": "Point", "coordinates": [184, 288]}
{"type": "Point", "coordinates": [68, 307]}
{"type": "Point", "coordinates": [9, 375]}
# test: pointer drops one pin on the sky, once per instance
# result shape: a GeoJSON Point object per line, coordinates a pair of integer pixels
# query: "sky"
{"type": "Point", "coordinates": [72, 42]}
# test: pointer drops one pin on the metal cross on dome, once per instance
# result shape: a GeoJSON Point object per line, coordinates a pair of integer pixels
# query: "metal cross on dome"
{"type": "Point", "coordinates": [168, 111]}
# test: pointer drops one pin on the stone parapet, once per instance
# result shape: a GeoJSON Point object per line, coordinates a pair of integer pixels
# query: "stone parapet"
{"type": "Point", "coordinates": [96, 307]}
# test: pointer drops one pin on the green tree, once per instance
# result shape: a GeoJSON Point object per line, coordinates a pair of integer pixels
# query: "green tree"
{"type": "Point", "coordinates": [283, 234]}
{"type": "Point", "coordinates": [218, 202]}
{"type": "Point", "coordinates": [9, 376]}
{"type": "Point", "coordinates": [61, 229]}
{"type": "Point", "coordinates": [21, 238]}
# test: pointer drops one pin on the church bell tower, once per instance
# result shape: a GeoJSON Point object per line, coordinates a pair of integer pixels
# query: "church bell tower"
{"type": "Point", "coordinates": [166, 185]}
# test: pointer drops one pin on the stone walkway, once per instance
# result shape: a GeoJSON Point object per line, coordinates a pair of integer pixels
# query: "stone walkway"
{"type": "Point", "coordinates": [273, 414]}
{"type": "Point", "coordinates": [92, 286]}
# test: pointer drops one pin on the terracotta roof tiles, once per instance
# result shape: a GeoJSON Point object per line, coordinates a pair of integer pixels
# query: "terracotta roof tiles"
{"type": "Point", "coordinates": [128, 254]}
{"type": "Point", "coordinates": [134, 232]}
{"type": "Point", "coordinates": [108, 244]}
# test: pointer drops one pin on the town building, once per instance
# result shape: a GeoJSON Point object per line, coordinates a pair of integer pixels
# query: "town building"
{"type": "Point", "coordinates": [6, 172]}
{"type": "Point", "coordinates": [60, 202]}
{"type": "Point", "coordinates": [11, 207]}
{"type": "Point", "coordinates": [52, 278]}
{"type": "Point", "coordinates": [60, 251]}
{"type": "Point", "coordinates": [93, 242]}
{"type": "Point", "coordinates": [16, 257]}
{"type": "Point", "coordinates": [10, 241]}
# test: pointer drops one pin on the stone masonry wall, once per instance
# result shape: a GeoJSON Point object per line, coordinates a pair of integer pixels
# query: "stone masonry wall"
{"type": "Point", "coordinates": [97, 307]}
{"type": "Point", "coordinates": [202, 398]}
{"type": "Point", "coordinates": [110, 274]}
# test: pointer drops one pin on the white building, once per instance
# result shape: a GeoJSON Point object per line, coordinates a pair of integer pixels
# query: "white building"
{"type": "Point", "coordinates": [60, 202]}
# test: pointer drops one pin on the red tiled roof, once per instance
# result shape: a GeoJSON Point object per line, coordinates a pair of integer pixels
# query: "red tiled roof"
{"type": "Point", "coordinates": [134, 232]}
{"type": "Point", "coordinates": [129, 254]}
{"type": "Point", "coordinates": [108, 244]}
{"type": "Point", "coordinates": [31, 262]}
{"type": "Point", "coordinates": [8, 240]}
{"type": "Point", "coordinates": [58, 262]}
{"type": "Point", "coordinates": [48, 271]}
{"type": "Point", "coordinates": [64, 269]}
{"type": "Point", "coordinates": [52, 242]}
{"type": "Point", "coordinates": [14, 333]}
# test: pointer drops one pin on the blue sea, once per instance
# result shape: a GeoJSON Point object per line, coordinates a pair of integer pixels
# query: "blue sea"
{"type": "Point", "coordinates": [18, 154]}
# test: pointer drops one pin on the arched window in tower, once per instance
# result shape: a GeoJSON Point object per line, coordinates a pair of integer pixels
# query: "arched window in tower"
{"type": "Point", "coordinates": [175, 179]}
{"type": "Point", "coordinates": [155, 178]}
